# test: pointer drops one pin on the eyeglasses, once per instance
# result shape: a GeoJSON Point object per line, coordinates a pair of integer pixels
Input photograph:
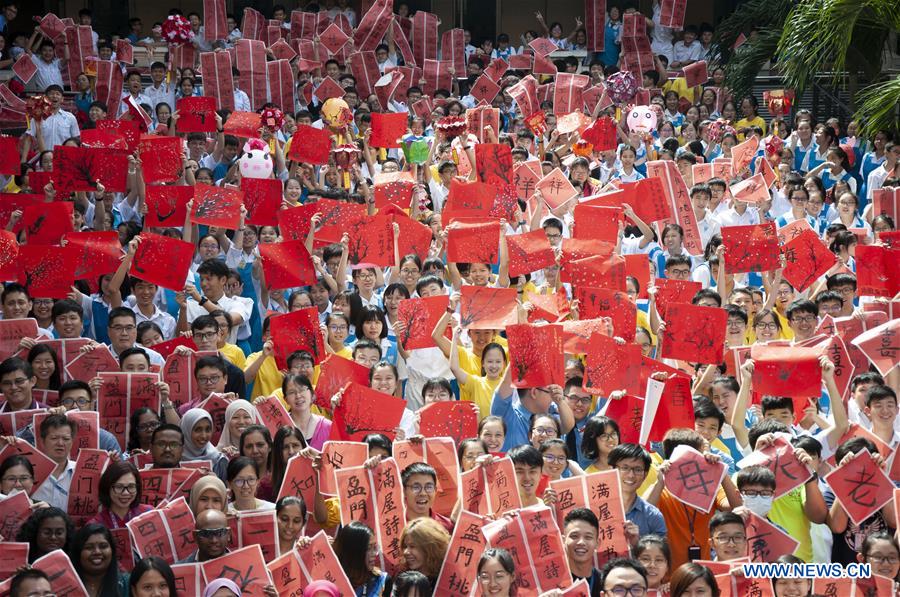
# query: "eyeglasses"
{"type": "Point", "coordinates": [763, 493]}
{"type": "Point", "coordinates": [44, 594]}
{"type": "Point", "coordinates": [806, 319]}
{"type": "Point", "coordinates": [123, 328]}
{"type": "Point", "coordinates": [205, 335]}
{"type": "Point", "coordinates": [634, 470]}
{"type": "Point", "coordinates": [209, 380]}
{"type": "Point", "coordinates": [549, 458]}
{"type": "Point", "coordinates": [20, 480]}
{"type": "Point", "coordinates": [437, 396]}
{"type": "Point", "coordinates": [583, 400]}
{"type": "Point", "coordinates": [680, 272]}
{"type": "Point", "coordinates": [544, 431]}
{"type": "Point", "coordinates": [632, 591]}
{"type": "Point", "coordinates": [120, 489]}
{"type": "Point", "coordinates": [145, 427]}
{"type": "Point", "coordinates": [19, 382]}
{"type": "Point", "coordinates": [497, 577]}
{"type": "Point", "coordinates": [212, 533]}
{"type": "Point", "coordinates": [337, 328]}
{"type": "Point", "coordinates": [608, 437]}
{"type": "Point", "coordinates": [766, 326]}
{"type": "Point", "coordinates": [167, 445]}
{"type": "Point", "coordinates": [81, 402]}
{"type": "Point", "coordinates": [884, 559]}
{"type": "Point", "coordinates": [417, 488]}
{"type": "Point", "coordinates": [409, 272]}
{"type": "Point", "coordinates": [366, 274]}
{"type": "Point", "coordinates": [653, 561]}
{"type": "Point", "coordinates": [732, 539]}
{"type": "Point", "coordinates": [43, 302]}
{"type": "Point", "coordinates": [248, 482]}
{"type": "Point", "coordinates": [735, 323]}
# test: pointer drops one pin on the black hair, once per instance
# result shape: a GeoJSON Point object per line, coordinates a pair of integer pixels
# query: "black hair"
{"type": "Point", "coordinates": [411, 582]}
{"type": "Point", "coordinates": [44, 348]}
{"type": "Point", "coordinates": [720, 519]}
{"type": "Point", "coordinates": [212, 361]}
{"type": "Point", "coordinates": [614, 563]}
{"type": "Point", "coordinates": [854, 445]}
{"type": "Point", "coordinates": [65, 306]}
{"type": "Point", "coordinates": [23, 574]}
{"type": "Point", "coordinates": [351, 544]}
{"type": "Point", "coordinates": [114, 472]}
{"type": "Point", "coordinates": [54, 421]}
{"type": "Point", "coordinates": [279, 463]}
{"type": "Point", "coordinates": [704, 408]}
{"type": "Point", "coordinates": [147, 564]}
{"type": "Point", "coordinates": [133, 350]}
{"type": "Point", "coordinates": [584, 515]}
{"type": "Point", "coordinates": [291, 500]}
{"type": "Point", "coordinates": [777, 403]}
{"type": "Point", "coordinates": [238, 464]}
{"type": "Point", "coordinates": [203, 322]}
{"type": "Point", "coordinates": [755, 475]}
{"type": "Point", "coordinates": [213, 267]}
{"type": "Point", "coordinates": [267, 436]}
{"type": "Point", "coordinates": [167, 427]}
{"type": "Point", "coordinates": [527, 455]}
{"type": "Point", "coordinates": [418, 468]}
{"type": "Point", "coordinates": [109, 586]}
{"type": "Point", "coordinates": [134, 441]}
{"type": "Point", "coordinates": [808, 444]}
{"type": "Point", "coordinates": [629, 451]}
{"type": "Point", "coordinates": [879, 392]}
{"type": "Point", "coordinates": [760, 428]}
{"type": "Point", "coordinates": [28, 532]}
{"type": "Point", "coordinates": [653, 540]}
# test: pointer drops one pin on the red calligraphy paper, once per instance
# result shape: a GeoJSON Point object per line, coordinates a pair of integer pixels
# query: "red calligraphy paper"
{"type": "Point", "coordinates": [373, 25]}
{"type": "Point", "coordinates": [9, 152]}
{"type": "Point", "coordinates": [473, 241]}
{"type": "Point", "coordinates": [15, 511]}
{"type": "Point", "coordinates": [484, 308]}
{"type": "Point", "coordinates": [387, 128]}
{"type": "Point", "coordinates": [12, 331]}
{"type": "Point", "coordinates": [243, 124]}
{"type": "Point", "coordinates": [287, 264]}
{"type": "Point", "coordinates": [273, 413]}
{"type": "Point", "coordinates": [47, 272]}
{"type": "Point", "coordinates": [45, 224]}
{"type": "Point", "coordinates": [88, 365]}
{"type": "Point", "coordinates": [298, 330]}
{"type": "Point", "coordinates": [259, 528]}
{"type": "Point", "coordinates": [881, 346]}
{"type": "Point", "coordinates": [679, 202]}
{"type": "Point", "coordinates": [611, 366]}
{"type": "Point", "coordinates": [336, 456]}
{"type": "Point", "coordinates": [694, 334]}
{"type": "Point", "coordinates": [262, 198]}
{"type": "Point", "coordinates": [218, 81]}
{"type": "Point", "coordinates": [120, 395]}
{"type": "Point", "coordinates": [84, 500]}
{"type": "Point", "coordinates": [455, 419]}
{"type": "Point", "coordinates": [780, 458]}
{"type": "Point", "coordinates": [250, 60]}
{"type": "Point", "coordinates": [246, 567]}
{"type": "Point", "coordinates": [886, 202]}
{"type": "Point", "coordinates": [466, 546]}
{"type": "Point", "coordinates": [363, 411]}
{"type": "Point", "coordinates": [162, 260]}
{"type": "Point", "coordinates": [98, 253]}
{"type": "Point", "coordinates": [750, 248]}
{"type": "Point", "coordinates": [58, 567]}
{"type": "Point", "coordinates": [556, 189]}
{"type": "Point", "coordinates": [468, 200]}
{"type": "Point", "coordinates": [129, 129]}
{"type": "Point", "coordinates": [12, 557]}
{"type": "Point", "coordinates": [310, 145]}
{"type": "Point", "coordinates": [603, 302]}
{"type": "Point", "coordinates": [861, 487]}
{"type": "Point", "coordinates": [877, 270]}
{"type": "Point", "coordinates": [806, 259]}
{"type": "Point", "coordinates": [698, 74]}
{"type": "Point", "coordinates": [693, 480]}
{"type": "Point", "coordinates": [752, 190]}
{"type": "Point", "coordinates": [529, 252]}
{"type": "Point", "coordinates": [161, 158]}
{"type": "Point", "coordinates": [490, 489]}
{"type": "Point", "coordinates": [300, 479]}
{"type": "Point", "coordinates": [600, 493]}
{"type": "Point", "coordinates": [419, 316]}
{"type": "Point", "coordinates": [319, 562]}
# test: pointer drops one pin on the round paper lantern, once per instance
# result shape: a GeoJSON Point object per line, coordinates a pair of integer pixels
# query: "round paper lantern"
{"type": "Point", "coordinates": [621, 87]}
{"type": "Point", "coordinates": [642, 119]}
{"type": "Point", "coordinates": [415, 149]}
{"type": "Point", "coordinates": [336, 113]}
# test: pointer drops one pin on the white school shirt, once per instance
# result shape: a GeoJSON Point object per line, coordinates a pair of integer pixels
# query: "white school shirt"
{"type": "Point", "coordinates": [56, 128]}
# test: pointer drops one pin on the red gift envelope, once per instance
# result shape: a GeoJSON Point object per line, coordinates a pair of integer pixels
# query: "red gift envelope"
{"type": "Point", "coordinates": [485, 308]}
{"type": "Point", "coordinates": [861, 486]}
{"type": "Point", "coordinates": [806, 258]}
{"type": "Point", "coordinates": [419, 316]}
{"type": "Point", "coordinates": [167, 204]}
{"type": "Point", "coordinates": [243, 124]}
{"type": "Point", "coordinates": [310, 145]}
{"type": "Point", "coordinates": [388, 128]}
{"type": "Point", "coordinates": [363, 411]}
{"type": "Point", "coordinates": [455, 419]}
{"type": "Point", "coordinates": [217, 206]}
{"type": "Point", "coordinates": [298, 330]}
{"type": "Point", "coordinates": [529, 252]}
{"type": "Point", "coordinates": [536, 355]}
{"type": "Point", "coordinates": [751, 248]}
{"type": "Point", "coordinates": [262, 198]}
{"type": "Point", "coordinates": [473, 241]}
{"type": "Point", "coordinates": [161, 158]}
{"type": "Point", "coordinates": [47, 223]}
{"type": "Point", "coordinates": [556, 189]}
{"type": "Point", "coordinates": [99, 253]}
{"type": "Point", "coordinates": [752, 190]}
{"type": "Point", "coordinates": [696, 74]}
{"type": "Point", "coordinates": [787, 371]}
{"type": "Point", "coordinates": [611, 367]}
{"type": "Point", "coordinates": [693, 480]}
{"type": "Point", "coordinates": [47, 271]}
{"type": "Point", "coordinates": [287, 264]}
{"type": "Point", "coordinates": [162, 260]}
{"type": "Point", "coordinates": [881, 346]}
{"type": "Point", "coordinates": [694, 334]}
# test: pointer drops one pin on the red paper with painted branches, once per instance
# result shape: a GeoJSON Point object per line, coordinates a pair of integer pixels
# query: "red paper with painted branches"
{"type": "Point", "coordinates": [297, 330]}
{"type": "Point", "coordinates": [536, 355]}
{"type": "Point", "coordinates": [196, 114]}
{"type": "Point", "coordinates": [599, 271]}
{"type": "Point", "coordinates": [419, 316]}
{"type": "Point", "coordinates": [310, 145]}
{"type": "Point", "coordinates": [129, 129]}
{"type": "Point", "coordinates": [98, 253]}
{"type": "Point", "coordinates": [750, 248]}
{"type": "Point", "coordinates": [415, 238]}
{"type": "Point", "coordinates": [363, 411]}
{"type": "Point", "coordinates": [468, 200]}
{"type": "Point", "coordinates": [579, 248]}
{"type": "Point", "coordinates": [47, 272]}
{"type": "Point", "coordinates": [243, 124]}
{"type": "Point", "coordinates": [603, 302]}
{"type": "Point", "coordinates": [371, 241]}
{"type": "Point", "coordinates": [670, 291]}
{"type": "Point", "coordinates": [337, 216]}
{"type": "Point", "coordinates": [294, 222]}
{"type": "Point", "coordinates": [694, 334]}
{"type": "Point", "coordinates": [473, 241]}
{"type": "Point", "coordinates": [262, 198]}
{"type": "Point", "coordinates": [484, 308]}
{"type": "Point", "coordinates": [217, 206]}
{"type": "Point", "coordinates": [494, 164]}
{"type": "Point", "coordinates": [529, 252]}
{"type": "Point", "coordinates": [612, 367]}
{"type": "Point", "coordinates": [456, 419]}
{"type": "Point", "coordinates": [287, 264]}
{"type": "Point", "coordinates": [167, 204]}
{"type": "Point", "coordinates": [577, 333]}
{"type": "Point", "coordinates": [162, 158]}
{"type": "Point", "coordinates": [162, 260]}
{"type": "Point", "coordinates": [396, 192]}
{"type": "Point", "coordinates": [806, 259]}
{"type": "Point", "coordinates": [79, 169]}
{"type": "Point", "coordinates": [45, 224]}
{"type": "Point", "coordinates": [334, 373]}
{"type": "Point", "coordinates": [877, 270]}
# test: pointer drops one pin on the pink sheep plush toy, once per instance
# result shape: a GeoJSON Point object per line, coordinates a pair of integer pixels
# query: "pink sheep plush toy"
{"type": "Point", "coordinates": [256, 161]}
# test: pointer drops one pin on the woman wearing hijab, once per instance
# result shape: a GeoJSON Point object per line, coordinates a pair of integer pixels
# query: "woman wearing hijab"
{"type": "Point", "coordinates": [208, 493]}
{"type": "Point", "coordinates": [222, 587]}
{"type": "Point", "coordinates": [239, 415]}
{"type": "Point", "coordinates": [321, 588]}
{"type": "Point", "coordinates": [197, 427]}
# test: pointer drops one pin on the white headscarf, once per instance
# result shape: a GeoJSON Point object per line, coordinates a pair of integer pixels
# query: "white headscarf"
{"type": "Point", "coordinates": [225, 439]}
{"type": "Point", "coordinates": [191, 450]}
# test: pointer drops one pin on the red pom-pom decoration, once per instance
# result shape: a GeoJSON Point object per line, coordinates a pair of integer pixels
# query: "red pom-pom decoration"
{"type": "Point", "coordinates": [272, 119]}
{"type": "Point", "coordinates": [176, 30]}
{"type": "Point", "coordinates": [451, 126]}
{"type": "Point", "coordinates": [38, 107]}
{"type": "Point", "coordinates": [621, 87]}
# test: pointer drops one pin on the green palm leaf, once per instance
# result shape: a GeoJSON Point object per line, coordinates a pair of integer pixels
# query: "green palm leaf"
{"type": "Point", "coordinates": [878, 107]}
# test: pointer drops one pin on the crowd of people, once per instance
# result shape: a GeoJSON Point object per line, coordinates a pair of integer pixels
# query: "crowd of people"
{"type": "Point", "coordinates": [824, 183]}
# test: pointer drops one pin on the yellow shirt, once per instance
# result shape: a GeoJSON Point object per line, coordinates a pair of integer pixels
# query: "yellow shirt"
{"type": "Point", "coordinates": [345, 352]}
{"type": "Point", "coordinates": [234, 354]}
{"type": "Point", "coordinates": [679, 86]}
{"type": "Point", "coordinates": [744, 123]}
{"type": "Point", "coordinates": [268, 378]}
{"type": "Point", "coordinates": [480, 391]}
{"type": "Point", "coordinates": [788, 513]}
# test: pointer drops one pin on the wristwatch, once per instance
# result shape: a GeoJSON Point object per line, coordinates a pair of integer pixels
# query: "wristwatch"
{"type": "Point", "coordinates": [203, 301]}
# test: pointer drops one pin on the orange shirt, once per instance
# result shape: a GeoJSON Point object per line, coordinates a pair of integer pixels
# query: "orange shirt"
{"type": "Point", "coordinates": [679, 519]}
